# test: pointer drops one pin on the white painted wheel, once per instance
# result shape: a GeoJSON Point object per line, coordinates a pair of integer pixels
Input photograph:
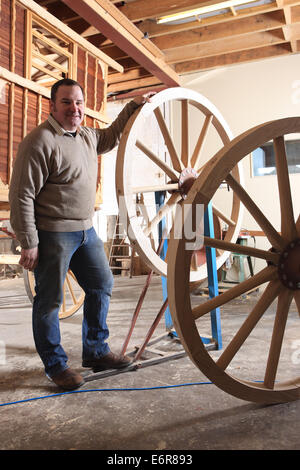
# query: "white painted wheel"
{"type": "Point", "coordinates": [169, 162]}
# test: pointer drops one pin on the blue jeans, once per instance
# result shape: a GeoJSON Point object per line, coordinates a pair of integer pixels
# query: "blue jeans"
{"type": "Point", "coordinates": [83, 252]}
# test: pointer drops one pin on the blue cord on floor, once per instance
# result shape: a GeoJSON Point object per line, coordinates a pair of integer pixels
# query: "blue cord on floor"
{"type": "Point", "coordinates": [104, 390]}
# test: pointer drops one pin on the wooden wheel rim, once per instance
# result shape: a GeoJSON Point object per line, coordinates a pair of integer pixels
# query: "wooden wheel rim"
{"type": "Point", "coordinates": [184, 317]}
{"type": "Point", "coordinates": [124, 173]}
{"type": "Point", "coordinates": [66, 310]}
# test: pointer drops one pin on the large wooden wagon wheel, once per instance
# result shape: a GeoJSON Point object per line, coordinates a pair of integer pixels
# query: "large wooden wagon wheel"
{"type": "Point", "coordinates": [142, 170]}
{"type": "Point", "coordinates": [73, 294]}
{"type": "Point", "coordinates": [265, 379]}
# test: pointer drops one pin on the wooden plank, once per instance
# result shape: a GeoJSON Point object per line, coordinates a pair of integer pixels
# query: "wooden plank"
{"type": "Point", "coordinates": [238, 57]}
{"type": "Point", "coordinates": [9, 259]}
{"type": "Point", "coordinates": [133, 84]}
{"type": "Point", "coordinates": [13, 35]}
{"type": "Point", "coordinates": [134, 74]}
{"type": "Point", "coordinates": [94, 14]}
{"type": "Point", "coordinates": [122, 19]}
{"type": "Point", "coordinates": [225, 46]}
{"type": "Point", "coordinates": [10, 130]}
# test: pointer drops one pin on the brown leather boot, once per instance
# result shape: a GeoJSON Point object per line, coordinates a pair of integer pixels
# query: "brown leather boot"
{"type": "Point", "coordinates": [68, 379]}
{"type": "Point", "coordinates": [109, 361]}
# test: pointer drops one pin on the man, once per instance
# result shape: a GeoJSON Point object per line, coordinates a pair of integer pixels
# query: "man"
{"type": "Point", "coordinates": [52, 197]}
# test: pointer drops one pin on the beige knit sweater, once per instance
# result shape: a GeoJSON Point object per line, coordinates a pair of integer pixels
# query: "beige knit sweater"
{"type": "Point", "coordinates": [54, 179]}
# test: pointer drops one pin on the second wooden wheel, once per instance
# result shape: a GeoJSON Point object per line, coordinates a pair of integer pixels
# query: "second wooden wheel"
{"type": "Point", "coordinates": [73, 294]}
{"type": "Point", "coordinates": [168, 161]}
{"type": "Point", "coordinates": [263, 377]}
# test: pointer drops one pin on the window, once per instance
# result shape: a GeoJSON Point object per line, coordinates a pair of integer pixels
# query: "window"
{"type": "Point", "coordinates": [263, 158]}
{"type": "Point", "coordinates": [50, 53]}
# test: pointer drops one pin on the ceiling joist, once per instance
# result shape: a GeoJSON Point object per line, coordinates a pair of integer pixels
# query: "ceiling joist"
{"type": "Point", "coordinates": [99, 14]}
{"type": "Point", "coordinates": [128, 33]}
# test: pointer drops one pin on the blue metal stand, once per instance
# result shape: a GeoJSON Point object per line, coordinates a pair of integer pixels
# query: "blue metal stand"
{"type": "Point", "coordinates": [213, 289]}
{"type": "Point", "coordinates": [211, 271]}
{"type": "Point", "coordinates": [159, 200]}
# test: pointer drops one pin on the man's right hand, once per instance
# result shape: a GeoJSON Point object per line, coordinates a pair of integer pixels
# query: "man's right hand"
{"type": "Point", "coordinates": [29, 258]}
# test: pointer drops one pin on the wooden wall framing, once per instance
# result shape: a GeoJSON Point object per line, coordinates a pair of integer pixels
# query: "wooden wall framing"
{"type": "Point", "coordinates": [24, 104]}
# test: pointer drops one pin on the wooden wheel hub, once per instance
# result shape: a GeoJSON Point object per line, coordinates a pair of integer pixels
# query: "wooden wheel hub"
{"type": "Point", "coordinates": [289, 265]}
{"type": "Point", "coordinates": [186, 180]}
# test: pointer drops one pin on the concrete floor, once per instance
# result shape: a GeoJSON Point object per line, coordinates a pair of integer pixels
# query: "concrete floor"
{"type": "Point", "coordinates": [194, 417]}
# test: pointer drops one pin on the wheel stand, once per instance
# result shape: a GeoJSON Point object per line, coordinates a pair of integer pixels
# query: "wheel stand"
{"type": "Point", "coordinates": [173, 348]}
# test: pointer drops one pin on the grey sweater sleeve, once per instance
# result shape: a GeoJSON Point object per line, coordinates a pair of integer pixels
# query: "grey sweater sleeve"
{"type": "Point", "coordinates": [28, 178]}
{"type": "Point", "coordinates": [109, 138]}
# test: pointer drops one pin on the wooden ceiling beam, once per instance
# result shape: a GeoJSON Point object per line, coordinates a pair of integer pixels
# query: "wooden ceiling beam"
{"type": "Point", "coordinates": [263, 22]}
{"type": "Point", "coordinates": [290, 30]}
{"type": "Point", "coordinates": [295, 14]}
{"type": "Point", "coordinates": [225, 46]}
{"type": "Point", "coordinates": [224, 60]}
{"type": "Point", "coordinates": [133, 84]}
{"type": "Point", "coordinates": [133, 74]}
{"type": "Point", "coordinates": [105, 17]}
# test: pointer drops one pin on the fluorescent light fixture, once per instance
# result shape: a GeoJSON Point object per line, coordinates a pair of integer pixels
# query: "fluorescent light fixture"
{"type": "Point", "coordinates": [200, 11]}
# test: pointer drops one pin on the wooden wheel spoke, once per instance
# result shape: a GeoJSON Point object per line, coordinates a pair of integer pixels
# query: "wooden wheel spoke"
{"type": "Point", "coordinates": [297, 299]}
{"type": "Point", "coordinates": [223, 217]}
{"type": "Point", "coordinates": [150, 189]}
{"type": "Point", "coordinates": [74, 299]}
{"type": "Point", "coordinates": [270, 232]}
{"type": "Point", "coordinates": [284, 301]}
{"type": "Point", "coordinates": [288, 226]}
{"type": "Point", "coordinates": [63, 307]}
{"type": "Point", "coordinates": [267, 274]}
{"type": "Point", "coordinates": [168, 140]}
{"type": "Point", "coordinates": [162, 165]}
{"type": "Point", "coordinates": [244, 250]}
{"type": "Point", "coordinates": [162, 212]}
{"type": "Point", "coordinates": [199, 145]}
{"type": "Point", "coordinates": [298, 226]}
{"type": "Point", "coordinates": [240, 337]}
{"type": "Point", "coordinates": [185, 133]}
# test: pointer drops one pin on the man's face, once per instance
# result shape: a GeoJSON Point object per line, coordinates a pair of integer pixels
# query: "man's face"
{"type": "Point", "coordinates": [68, 107]}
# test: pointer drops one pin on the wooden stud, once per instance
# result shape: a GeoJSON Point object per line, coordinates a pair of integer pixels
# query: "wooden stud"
{"type": "Point", "coordinates": [12, 50]}
{"type": "Point", "coordinates": [39, 110]}
{"type": "Point", "coordinates": [10, 131]}
{"type": "Point", "coordinates": [24, 112]}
